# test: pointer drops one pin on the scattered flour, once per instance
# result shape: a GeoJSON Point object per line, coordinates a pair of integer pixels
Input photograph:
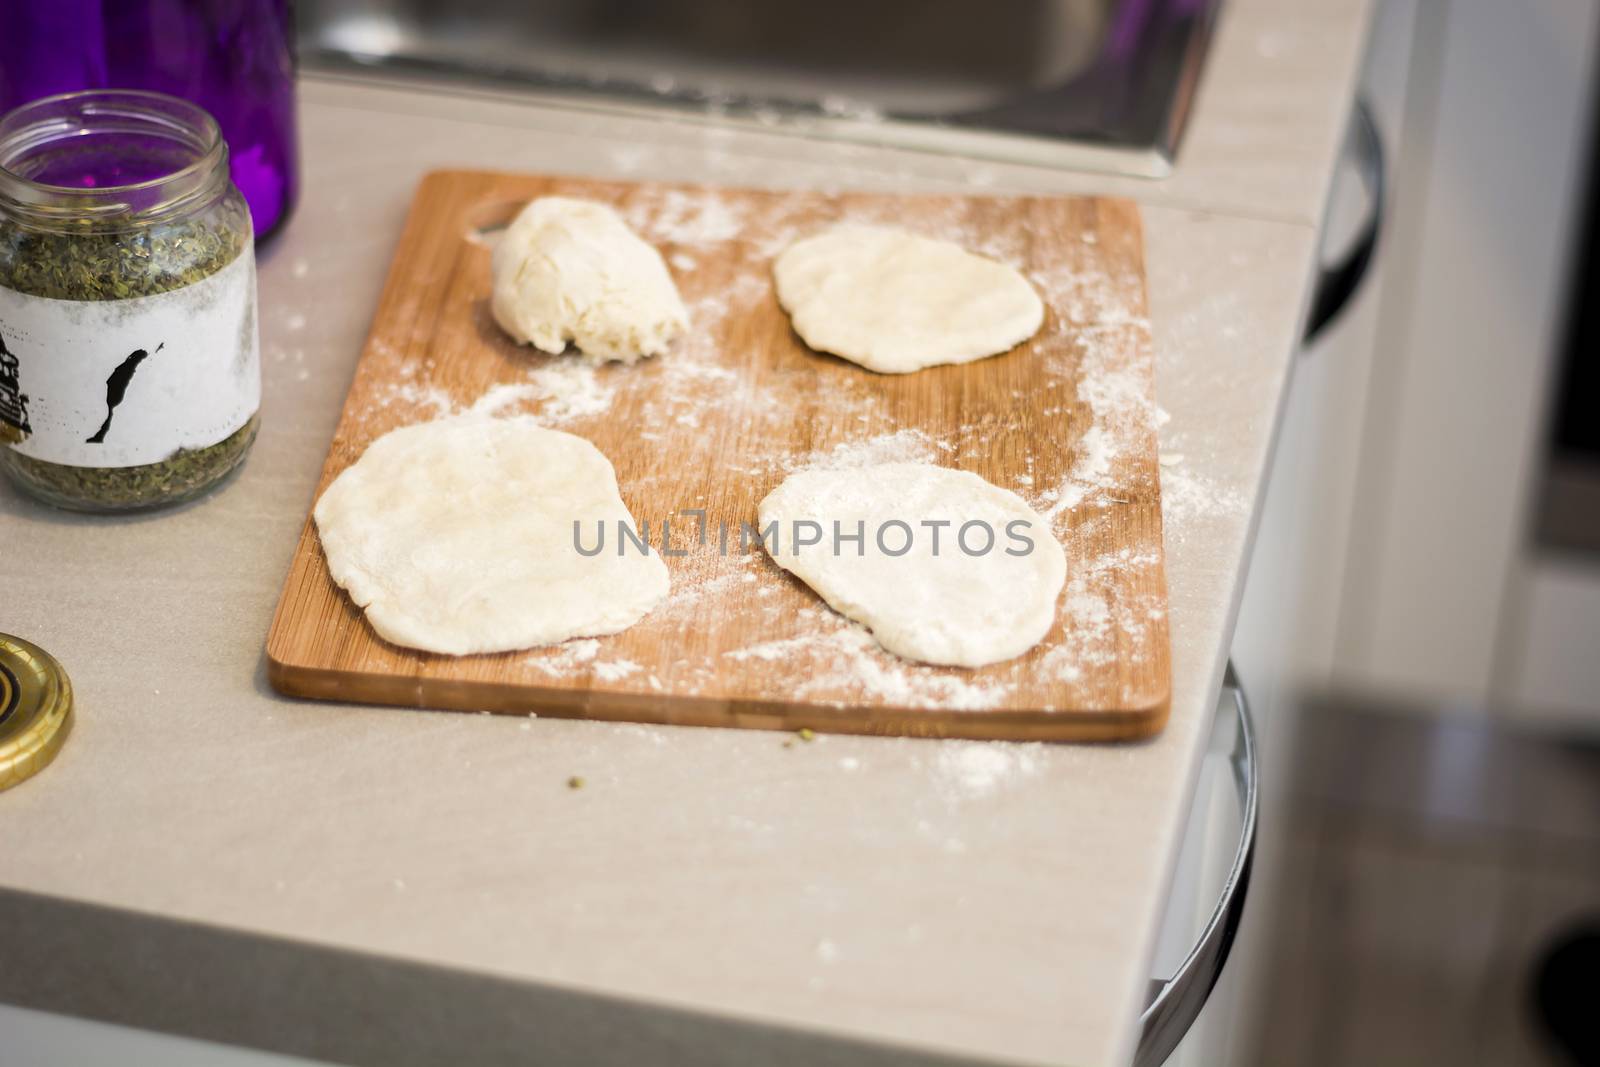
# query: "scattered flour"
{"type": "Point", "coordinates": [564, 658]}
{"type": "Point", "coordinates": [576, 657]}
{"type": "Point", "coordinates": [561, 390]}
{"type": "Point", "coordinates": [682, 218]}
{"type": "Point", "coordinates": [900, 446]}
{"type": "Point", "coordinates": [1118, 399]}
{"type": "Point", "coordinates": [841, 656]}
{"type": "Point", "coordinates": [612, 670]}
{"type": "Point", "coordinates": [1103, 628]}
{"type": "Point", "coordinates": [430, 400]}
{"type": "Point", "coordinates": [843, 107]}
{"type": "Point", "coordinates": [502, 397]}
{"type": "Point", "coordinates": [628, 159]}
{"type": "Point", "coordinates": [1187, 495]}
{"type": "Point", "coordinates": [1091, 471]}
{"type": "Point", "coordinates": [971, 770]}
{"type": "Point", "coordinates": [564, 389]}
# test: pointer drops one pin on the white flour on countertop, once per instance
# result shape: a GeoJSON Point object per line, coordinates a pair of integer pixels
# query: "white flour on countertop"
{"type": "Point", "coordinates": [971, 770]}
{"type": "Point", "coordinates": [845, 107]}
{"type": "Point", "coordinates": [1187, 496]}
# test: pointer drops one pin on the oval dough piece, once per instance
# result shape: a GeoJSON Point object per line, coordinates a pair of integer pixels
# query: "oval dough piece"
{"type": "Point", "coordinates": [571, 270]}
{"type": "Point", "coordinates": [937, 602]}
{"type": "Point", "coordinates": [895, 302]}
{"type": "Point", "coordinates": [456, 536]}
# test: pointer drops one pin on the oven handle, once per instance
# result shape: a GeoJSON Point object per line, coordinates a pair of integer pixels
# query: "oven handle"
{"type": "Point", "coordinates": [1338, 282]}
{"type": "Point", "coordinates": [1176, 1002]}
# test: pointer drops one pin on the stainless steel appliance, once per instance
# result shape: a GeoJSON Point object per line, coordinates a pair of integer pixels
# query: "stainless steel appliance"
{"type": "Point", "coordinates": [1100, 84]}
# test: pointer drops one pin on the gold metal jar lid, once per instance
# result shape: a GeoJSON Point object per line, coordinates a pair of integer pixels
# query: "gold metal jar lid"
{"type": "Point", "coordinates": [35, 709]}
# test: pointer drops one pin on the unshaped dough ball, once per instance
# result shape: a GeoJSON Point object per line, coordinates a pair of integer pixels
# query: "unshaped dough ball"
{"type": "Point", "coordinates": [571, 270]}
{"type": "Point", "coordinates": [929, 586]}
{"type": "Point", "coordinates": [895, 302]}
{"type": "Point", "coordinates": [456, 536]}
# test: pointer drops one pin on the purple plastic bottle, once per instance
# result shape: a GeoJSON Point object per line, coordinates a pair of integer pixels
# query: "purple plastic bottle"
{"type": "Point", "coordinates": [235, 58]}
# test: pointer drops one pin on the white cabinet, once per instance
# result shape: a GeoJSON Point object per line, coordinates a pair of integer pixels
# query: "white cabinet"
{"type": "Point", "coordinates": [1434, 609]}
{"type": "Point", "coordinates": [43, 1039]}
{"type": "Point", "coordinates": [1289, 617]}
{"type": "Point", "coordinates": [1390, 556]}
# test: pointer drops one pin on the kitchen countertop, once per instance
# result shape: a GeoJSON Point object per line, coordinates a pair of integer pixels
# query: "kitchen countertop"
{"type": "Point", "coordinates": [378, 885]}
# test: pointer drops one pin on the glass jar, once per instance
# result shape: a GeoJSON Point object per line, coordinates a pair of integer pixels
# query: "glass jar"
{"type": "Point", "coordinates": [130, 371]}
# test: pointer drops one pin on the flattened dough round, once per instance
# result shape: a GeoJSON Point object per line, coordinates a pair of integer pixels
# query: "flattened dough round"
{"type": "Point", "coordinates": [571, 270]}
{"type": "Point", "coordinates": [456, 536]}
{"type": "Point", "coordinates": [895, 302]}
{"type": "Point", "coordinates": [959, 607]}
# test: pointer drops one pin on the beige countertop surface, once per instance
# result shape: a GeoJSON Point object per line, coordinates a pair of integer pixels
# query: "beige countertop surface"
{"type": "Point", "coordinates": [378, 885]}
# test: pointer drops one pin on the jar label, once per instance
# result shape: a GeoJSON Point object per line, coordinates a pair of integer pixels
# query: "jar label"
{"type": "Point", "coordinates": [122, 383]}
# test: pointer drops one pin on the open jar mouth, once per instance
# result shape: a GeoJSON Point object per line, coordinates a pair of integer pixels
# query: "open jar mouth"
{"type": "Point", "coordinates": [105, 154]}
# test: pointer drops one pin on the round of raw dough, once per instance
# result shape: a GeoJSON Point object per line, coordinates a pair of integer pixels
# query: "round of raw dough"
{"type": "Point", "coordinates": [949, 568]}
{"type": "Point", "coordinates": [571, 270]}
{"type": "Point", "coordinates": [895, 302]}
{"type": "Point", "coordinates": [457, 536]}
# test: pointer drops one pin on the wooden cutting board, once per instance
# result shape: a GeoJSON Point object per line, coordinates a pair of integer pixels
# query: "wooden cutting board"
{"type": "Point", "coordinates": [1065, 419]}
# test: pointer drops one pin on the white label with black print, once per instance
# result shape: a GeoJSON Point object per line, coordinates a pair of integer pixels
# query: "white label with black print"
{"type": "Point", "coordinates": [122, 383]}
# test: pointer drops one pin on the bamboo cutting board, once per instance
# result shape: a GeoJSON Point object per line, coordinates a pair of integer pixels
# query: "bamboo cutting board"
{"type": "Point", "coordinates": [1066, 420]}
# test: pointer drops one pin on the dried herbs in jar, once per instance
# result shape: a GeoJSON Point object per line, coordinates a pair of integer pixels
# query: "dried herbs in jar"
{"type": "Point", "coordinates": [129, 363]}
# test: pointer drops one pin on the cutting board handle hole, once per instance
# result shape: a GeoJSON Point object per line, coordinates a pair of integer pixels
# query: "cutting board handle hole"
{"type": "Point", "coordinates": [487, 223]}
